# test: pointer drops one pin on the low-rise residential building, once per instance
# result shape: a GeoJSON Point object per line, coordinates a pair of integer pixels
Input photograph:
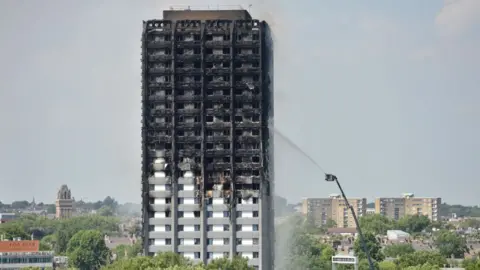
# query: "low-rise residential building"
{"type": "Point", "coordinates": [320, 210]}
{"type": "Point", "coordinates": [20, 254]}
{"type": "Point", "coordinates": [408, 204]}
{"type": "Point", "coordinates": [6, 217]}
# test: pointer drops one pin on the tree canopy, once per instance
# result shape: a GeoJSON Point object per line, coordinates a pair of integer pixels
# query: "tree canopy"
{"type": "Point", "coordinates": [376, 224]}
{"type": "Point", "coordinates": [397, 250]}
{"type": "Point", "coordinates": [169, 260]}
{"type": "Point", "coordinates": [373, 246]}
{"type": "Point", "coordinates": [86, 250]}
{"type": "Point", "coordinates": [450, 244]}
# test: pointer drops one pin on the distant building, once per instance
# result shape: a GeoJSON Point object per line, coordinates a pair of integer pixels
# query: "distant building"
{"type": "Point", "coordinates": [6, 217]}
{"type": "Point", "coordinates": [64, 203]}
{"type": "Point", "coordinates": [20, 254]}
{"type": "Point", "coordinates": [320, 210]}
{"type": "Point", "coordinates": [397, 235]}
{"type": "Point", "coordinates": [370, 211]}
{"type": "Point", "coordinates": [408, 204]}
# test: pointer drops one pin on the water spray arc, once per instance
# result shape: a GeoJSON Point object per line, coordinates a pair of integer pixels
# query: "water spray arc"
{"type": "Point", "coordinates": [331, 178]}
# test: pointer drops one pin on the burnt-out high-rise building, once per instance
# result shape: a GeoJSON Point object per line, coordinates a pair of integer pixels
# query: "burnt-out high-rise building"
{"type": "Point", "coordinates": [207, 112]}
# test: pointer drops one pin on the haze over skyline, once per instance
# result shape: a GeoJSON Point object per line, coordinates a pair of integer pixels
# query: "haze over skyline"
{"type": "Point", "coordinates": [383, 94]}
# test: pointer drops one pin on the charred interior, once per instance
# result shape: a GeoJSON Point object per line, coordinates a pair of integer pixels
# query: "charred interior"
{"type": "Point", "coordinates": [206, 113]}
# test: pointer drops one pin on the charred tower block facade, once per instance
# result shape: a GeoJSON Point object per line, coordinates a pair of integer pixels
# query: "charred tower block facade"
{"type": "Point", "coordinates": [207, 139]}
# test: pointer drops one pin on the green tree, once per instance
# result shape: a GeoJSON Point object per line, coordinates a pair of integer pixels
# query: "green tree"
{"type": "Point", "coordinates": [421, 258]}
{"type": "Point", "coordinates": [330, 223]}
{"type": "Point", "coordinates": [414, 223]}
{"type": "Point", "coordinates": [105, 211]}
{"type": "Point", "coordinates": [167, 260]}
{"type": "Point", "coordinates": [236, 263]}
{"type": "Point", "coordinates": [68, 227]}
{"type": "Point", "coordinates": [20, 204]}
{"type": "Point", "coordinates": [387, 265]}
{"type": "Point", "coordinates": [373, 246]}
{"type": "Point", "coordinates": [12, 230]}
{"type": "Point", "coordinates": [87, 250]}
{"type": "Point", "coordinates": [471, 264]}
{"type": "Point", "coordinates": [396, 250]}
{"type": "Point", "coordinates": [376, 224]}
{"type": "Point", "coordinates": [450, 244]}
{"type": "Point", "coordinates": [127, 251]}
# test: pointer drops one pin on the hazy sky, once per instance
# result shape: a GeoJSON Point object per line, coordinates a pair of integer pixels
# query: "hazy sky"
{"type": "Point", "coordinates": [385, 94]}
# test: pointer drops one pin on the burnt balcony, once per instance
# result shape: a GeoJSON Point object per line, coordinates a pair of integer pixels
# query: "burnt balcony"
{"type": "Point", "coordinates": [247, 179]}
{"type": "Point", "coordinates": [217, 57]}
{"type": "Point", "coordinates": [217, 71]}
{"type": "Point", "coordinates": [187, 153]}
{"type": "Point", "coordinates": [159, 98]}
{"type": "Point", "coordinates": [218, 166]}
{"type": "Point", "coordinates": [162, 44]}
{"type": "Point", "coordinates": [247, 70]}
{"type": "Point", "coordinates": [247, 124]}
{"type": "Point", "coordinates": [218, 111]}
{"type": "Point", "coordinates": [189, 70]}
{"type": "Point", "coordinates": [218, 139]}
{"type": "Point", "coordinates": [153, 137]}
{"type": "Point", "coordinates": [189, 112]}
{"type": "Point", "coordinates": [157, 125]}
{"type": "Point", "coordinates": [248, 111]}
{"type": "Point", "coordinates": [160, 25]}
{"type": "Point", "coordinates": [186, 125]}
{"type": "Point", "coordinates": [217, 30]}
{"type": "Point", "coordinates": [218, 98]}
{"type": "Point", "coordinates": [188, 26]}
{"type": "Point", "coordinates": [188, 43]}
{"type": "Point", "coordinates": [247, 166]}
{"type": "Point", "coordinates": [248, 138]}
{"type": "Point", "coordinates": [246, 152]}
{"type": "Point", "coordinates": [188, 85]}
{"type": "Point", "coordinates": [160, 57]}
{"type": "Point", "coordinates": [218, 125]}
{"type": "Point", "coordinates": [161, 112]}
{"type": "Point", "coordinates": [217, 152]}
{"type": "Point", "coordinates": [214, 44]}
{"type": "Point", "coordinates": [160, 70]}
{"type": "Point", "coordinates": [247, 43]}
{"type": "Point", "coordinates": [246, 85]}
{"type": "Point", "coordinates": [153, 152]}
{"type": "Point", "coordinates": [218, 84]}
{"type": "Point", "coordinates": [188, 139]}
{"type": "Point", "coordinates": [188, 57]}
{"type": "Point", "coordinates": [188, 98]}
{"type": "Point", "coordinates": [160, 84]}
{"type": "Point", "coordinates": [248, 97]}
{"type": "Point", "coordinates": [248, 56]}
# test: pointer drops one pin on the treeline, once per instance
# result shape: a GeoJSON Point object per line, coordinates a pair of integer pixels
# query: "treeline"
{"type": "Point", "coordinates": [300, 245]}
{"type": "Point", "coordinates": [107, 206]}
{"type": "Point", "coordinates": [54, 234]}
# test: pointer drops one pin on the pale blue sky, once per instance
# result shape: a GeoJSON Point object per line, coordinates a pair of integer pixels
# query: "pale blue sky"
{"type": "Point", "coordinates": [382, 93]}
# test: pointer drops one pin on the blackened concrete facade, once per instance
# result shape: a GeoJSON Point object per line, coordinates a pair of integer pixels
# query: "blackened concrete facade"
{"type": "Point", "coordinates": [207, 131]}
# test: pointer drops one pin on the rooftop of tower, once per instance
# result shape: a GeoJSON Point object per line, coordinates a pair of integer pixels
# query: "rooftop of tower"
{"type": "Point", "coordinates": [206, 13]}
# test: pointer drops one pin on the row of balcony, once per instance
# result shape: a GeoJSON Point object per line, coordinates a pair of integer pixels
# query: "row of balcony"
{"type": "Point", "coordinates": [213, 125]}
{"type": "Point", "coordinates": [207, 58]}
{"type": "Point", "coordinates": [240, 85]}
{"type": "Point", "coordinates": [191, 180]}
{"type": "Point", "coordinates": [212, 112]}
{"type": "Point", "coordinates": [193, 98]}
{"type": "Point", "coordinates": [197, 43]}
{"type": "Point", "coordinates": [208, 71]}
